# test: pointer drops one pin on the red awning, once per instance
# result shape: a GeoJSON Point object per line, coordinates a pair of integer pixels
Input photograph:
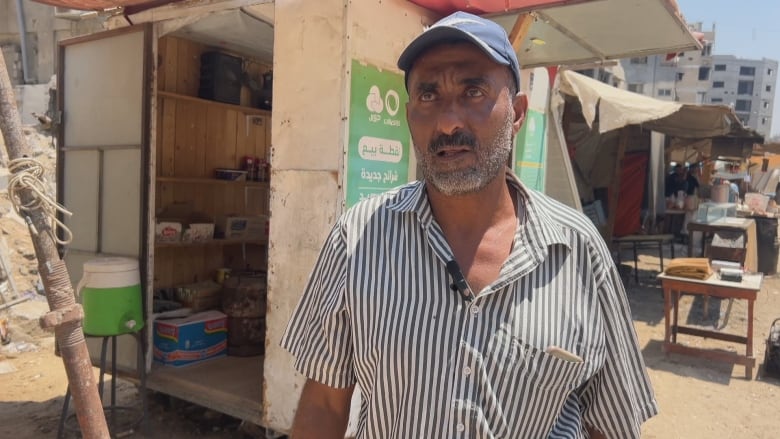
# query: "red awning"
{"type": "Point", "coordinates": [479, 7]}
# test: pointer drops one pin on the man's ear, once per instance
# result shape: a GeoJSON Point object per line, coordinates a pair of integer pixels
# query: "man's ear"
{"type": "Point", "coordinates": [520, 105]}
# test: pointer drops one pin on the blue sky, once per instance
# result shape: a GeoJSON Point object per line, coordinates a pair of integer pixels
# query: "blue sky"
{"type": "Point", "coordinates": [744, 28]}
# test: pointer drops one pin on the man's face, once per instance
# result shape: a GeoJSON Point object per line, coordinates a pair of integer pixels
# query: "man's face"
{"type": "Point", "coordinates": [680, 171]}
{"type": "Point", "coordinates": [462, 117]}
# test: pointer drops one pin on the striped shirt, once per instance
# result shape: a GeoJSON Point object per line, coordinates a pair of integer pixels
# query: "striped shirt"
{"type": "Point", "coordinates": [379, 312]}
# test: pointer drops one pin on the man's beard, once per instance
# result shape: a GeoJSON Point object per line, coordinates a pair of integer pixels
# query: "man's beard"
{"type": "Point", "coordinates": [491, 161]}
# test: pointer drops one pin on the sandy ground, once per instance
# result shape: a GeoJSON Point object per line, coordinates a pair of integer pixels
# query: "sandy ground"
{"type": "Point", "coordinates": [698, 398]}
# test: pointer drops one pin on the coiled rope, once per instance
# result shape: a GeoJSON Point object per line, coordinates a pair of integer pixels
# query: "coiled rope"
{"type": "Point", "coordinates": [27, 174]}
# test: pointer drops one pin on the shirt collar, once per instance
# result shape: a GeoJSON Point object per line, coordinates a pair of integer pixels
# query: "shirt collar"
{"type": "Point", "coordinates": [538, 228]}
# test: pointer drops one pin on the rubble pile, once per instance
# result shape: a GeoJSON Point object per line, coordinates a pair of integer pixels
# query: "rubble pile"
{"type": "Point", "coordinates": [22, 298]}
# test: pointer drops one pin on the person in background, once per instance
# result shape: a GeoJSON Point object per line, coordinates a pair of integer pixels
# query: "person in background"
{"type": "Point", "coordinates": [466, 304]}
{"type": "Point", "coordinates": [680, 180]}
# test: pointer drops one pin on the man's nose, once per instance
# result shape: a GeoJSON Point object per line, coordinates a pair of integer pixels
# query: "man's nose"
{"type": "Point", "coordinates": [450, 118]}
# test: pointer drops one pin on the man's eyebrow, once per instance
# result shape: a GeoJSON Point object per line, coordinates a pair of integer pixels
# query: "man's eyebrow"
{"type": "Point", "coordinates": [479, 80]}
{"type": "Point", "coordinates": [426, 87]}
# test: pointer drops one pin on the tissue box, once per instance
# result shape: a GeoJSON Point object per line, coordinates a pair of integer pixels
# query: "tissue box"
{"type": "Point", "coordinates": [190, 340]}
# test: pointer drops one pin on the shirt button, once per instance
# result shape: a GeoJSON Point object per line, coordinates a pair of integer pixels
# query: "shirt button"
{"type": "Point", "coordinates": [474, 309]}
{"type": "Point", "coordinates": [460, 428]}
{"type": "Point", "coordinates": [466, 370]}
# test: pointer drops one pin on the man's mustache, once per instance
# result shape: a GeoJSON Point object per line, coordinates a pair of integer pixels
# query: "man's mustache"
{"type": "Point", "coordinates": [459, 138]}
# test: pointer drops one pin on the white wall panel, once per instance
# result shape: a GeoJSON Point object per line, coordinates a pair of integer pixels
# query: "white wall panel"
{"type": "Point", "coordinates": [103, 91]}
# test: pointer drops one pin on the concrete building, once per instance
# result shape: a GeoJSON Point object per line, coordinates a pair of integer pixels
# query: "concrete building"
{"type": "Point", "coordinates": [32, 61]}
{"type": "Point", "coordinates": [746, 85]}
{"type": "Point", "coordinates": [682, 78]}
{"type": "Point", "coordinates": [43, 27]}
{"type": "Point", "coordinates": [703, 78]}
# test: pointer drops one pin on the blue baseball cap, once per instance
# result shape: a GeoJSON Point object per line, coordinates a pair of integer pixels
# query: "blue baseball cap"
{"type": "Point", "coordinates": [462, 26]}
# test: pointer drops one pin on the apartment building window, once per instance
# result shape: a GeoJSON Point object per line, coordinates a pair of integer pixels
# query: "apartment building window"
{"type": "Point", "coordinates": [765, 104]}
{"type": "Point", "coordinates": [636, 88]}
{"type": "Point", "coordinates": [745, 88]}
{"type": "Point", "coordinates": [664, 92]}
{"type": "Point", "coordinates": [716, 100]}
{"type": "Point", "coordinates": [706, 50]}
{"type": "Point", "coordinates": [704, 73]}
{"type": "Point", "coordinates": [742, 105]}
{"type": "Point", "coordinates": [763, 121]}
{"type": "Point", "coordinates": [720, 67]}
{"type": "Point", "coordinates": [717, 84]}
{"type": "Point", "coordinates": [769, 71]}
{"type": "Point", "coordinates": [639, 60]}
{"type": "Point", "coordinates": [768, 88]}
{"type": "Point", "coordinates": [747, 71]}
{"type": "Point", "coordinates": [680, 76]}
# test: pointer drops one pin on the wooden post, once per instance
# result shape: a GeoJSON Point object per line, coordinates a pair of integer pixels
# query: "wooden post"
{"type": "Point", "coordinates": [614, 189]}
{"type": "Point", "coordinates": [520, 30]}
{"type": "Point", "coordinates": [66, 315]}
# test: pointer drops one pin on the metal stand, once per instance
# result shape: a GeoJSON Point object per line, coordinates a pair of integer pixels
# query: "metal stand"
{"type": "Point", "coordinates": [112, 409]}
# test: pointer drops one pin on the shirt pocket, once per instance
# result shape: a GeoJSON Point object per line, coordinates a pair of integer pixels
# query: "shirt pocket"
{"type": "Point", "coordinates": [520, 360]}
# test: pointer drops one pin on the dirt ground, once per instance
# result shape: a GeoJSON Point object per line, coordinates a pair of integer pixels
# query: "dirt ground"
{"type": "Point", "coordinates": [698, 398]}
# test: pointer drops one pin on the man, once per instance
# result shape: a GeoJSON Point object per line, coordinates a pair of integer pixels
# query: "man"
{"type": "Point", "coordinates": [680, 180]}
{"type": "Point", "coordinates": [466, 305]}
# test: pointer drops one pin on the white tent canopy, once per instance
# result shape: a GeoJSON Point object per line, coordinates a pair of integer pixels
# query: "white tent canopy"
{"type": "Point", "coordinates": [617, 108]}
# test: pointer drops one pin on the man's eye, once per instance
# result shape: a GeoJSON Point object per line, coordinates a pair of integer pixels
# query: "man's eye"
{"type": "Point", "coordinates": [474, 92]}
{"type": "Point", "coordinates": [427, 97]}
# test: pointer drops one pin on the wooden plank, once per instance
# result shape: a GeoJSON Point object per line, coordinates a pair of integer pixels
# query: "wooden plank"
{"type": "Point", "coordinates": [158, 150]}
{"type": "Point", "coordinates": [244, 148]}
{"type": "Point", "coordinates": [214, 134]}
{"type": "Point", "coordinates": [230, 385]}
{"type": "Point", "coordinates": [167, 130]}
{"type": "Point", "coordinates": [199, 141]}
{"type": "Point", "coordinates": [163, 268]}
{"type": "Point", "coordinates": [710, 334]}
{"type": "Point", "coordinates": [183, 79]}
{"type": "Point", "coordinates": [245, 110]}
{"type": "Point", "coordinates": [170, 63]}
{"type": "Point", "coordinates": [520, 30]}
{"type": "Point", "coordinates": [228, 157]}
{"type": "Point", "coordinates": [162, 54]}
{"type": "Point", "coordinates": [165, 196]}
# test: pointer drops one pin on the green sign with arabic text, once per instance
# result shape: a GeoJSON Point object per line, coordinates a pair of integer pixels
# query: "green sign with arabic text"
{"type": "Point", "coordinates": [379, 141]}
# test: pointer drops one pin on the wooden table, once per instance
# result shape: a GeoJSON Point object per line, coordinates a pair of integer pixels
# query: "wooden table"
{"type": "Point", "coordinates": [744, 225]}
{"type": "Point", "coordinates": [747, 289]}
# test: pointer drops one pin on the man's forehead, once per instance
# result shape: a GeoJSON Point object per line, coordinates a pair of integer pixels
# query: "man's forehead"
{"type": "Point", "coordinates": [458, 58]}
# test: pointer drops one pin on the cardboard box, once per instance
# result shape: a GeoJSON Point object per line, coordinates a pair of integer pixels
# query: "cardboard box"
{"type": "Point", "coordinates": [189, 340]}
{"type": "Point", "coordinates": [199, 296]}
{"type": "Point", "coordinates": [167, 231]}
{"type": "Point", "coordinates": [198, 232]}
{"type": "Point", "coordinates": [192, 226]}
{"type": "Point", "coordinates": [251, 228]}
